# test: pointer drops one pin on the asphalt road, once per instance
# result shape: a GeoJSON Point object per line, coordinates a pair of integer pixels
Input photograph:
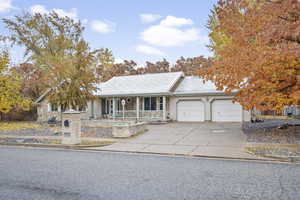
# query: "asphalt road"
{"type": "Point", "coordinates": [38, 174]}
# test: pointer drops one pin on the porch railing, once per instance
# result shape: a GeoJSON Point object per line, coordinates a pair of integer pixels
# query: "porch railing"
{"type": "Point", "coordinates": [143, 114]}
{"type": "Point", "coordinates": [151, 114]}
{"type": "Point", "coordinates": [127, 114]}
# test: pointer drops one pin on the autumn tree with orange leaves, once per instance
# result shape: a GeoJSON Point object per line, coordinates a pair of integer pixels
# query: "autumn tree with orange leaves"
{"type": "Point", "coordinates": [190, 66]}
{"type": "Point", "coordinates": [256, 47]}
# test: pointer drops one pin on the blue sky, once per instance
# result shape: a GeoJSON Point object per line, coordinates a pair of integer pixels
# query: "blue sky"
{"type": "Point", "coordinates": [141, 30]}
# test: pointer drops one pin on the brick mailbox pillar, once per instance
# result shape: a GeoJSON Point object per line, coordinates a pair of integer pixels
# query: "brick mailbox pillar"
{"type": "Point", "coordinates": [71, 127]}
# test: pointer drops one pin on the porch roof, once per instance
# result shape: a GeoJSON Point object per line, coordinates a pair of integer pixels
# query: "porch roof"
{"type": "Point", "coordinates": [134, 85]}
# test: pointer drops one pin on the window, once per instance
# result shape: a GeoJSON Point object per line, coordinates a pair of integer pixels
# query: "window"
{"type": "Point", "coordinates": [52, 107]}
{"type": "Point", "coordinates": [161, 103]}
{"type": "Point", "coordinates": [119, 104]}
{"type": "Point", "coordinates": [104, 106]}
{"type": "Point", "coordinates": [153, 103]}
{"type": "Point", "coordinates": [107, 106]}
{"type": "Point", "coordinates": [150, 103]}
{"type": "Point", "coordinates": [82, 108]}
{"type": "Point", "coordinates": [111, 106]}
{"type": "Point", "coordinates": [63, 108]}
{"type": "Point", "coordinates": [147, 103]}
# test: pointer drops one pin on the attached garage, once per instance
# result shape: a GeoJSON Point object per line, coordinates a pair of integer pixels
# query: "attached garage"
{"type": "Point", "coordinates": [190, 111]}
{"type": "Point", "coordinates": [226, 111]}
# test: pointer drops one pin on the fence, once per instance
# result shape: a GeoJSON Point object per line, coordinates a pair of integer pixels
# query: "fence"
{"type": "Point", "coordinates": [287, 112]}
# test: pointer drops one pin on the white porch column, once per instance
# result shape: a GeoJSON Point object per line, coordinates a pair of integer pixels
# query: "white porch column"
{"type": "Point", "coordinates": [114, 108]}
{"type": "Point", "coordinates": [164, 108]}
{"type": "Point", "coordinates": [138, 107]}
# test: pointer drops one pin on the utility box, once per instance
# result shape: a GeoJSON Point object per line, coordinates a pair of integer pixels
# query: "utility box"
{"type": "Point", "coordinates": [71, 127]}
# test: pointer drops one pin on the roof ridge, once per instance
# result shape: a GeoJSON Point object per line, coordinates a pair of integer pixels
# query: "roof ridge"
{"type": "Point", "coordinates": [141, 84]}
{"type": "Point", "coordinates": [149, 74]}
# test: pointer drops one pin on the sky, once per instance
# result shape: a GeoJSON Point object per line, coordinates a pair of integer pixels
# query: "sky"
{"type": "Point", "coordinates": [139, 30]}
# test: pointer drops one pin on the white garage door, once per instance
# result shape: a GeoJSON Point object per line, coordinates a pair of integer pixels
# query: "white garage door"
{"type": "Point", "coordinates": [226, 111]}
{"type": "Point", "coordinates": [190, 111]}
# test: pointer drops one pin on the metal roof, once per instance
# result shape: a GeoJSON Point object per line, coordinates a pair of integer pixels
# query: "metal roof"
{"type": "Point", "coordinates": [153, 84]}
{"type": "Point", "coordinates": [43, 96]}
{"type": "Point", "coordinates": [145, 84]}
{"type": "Point", "coordinates": [196, 85]}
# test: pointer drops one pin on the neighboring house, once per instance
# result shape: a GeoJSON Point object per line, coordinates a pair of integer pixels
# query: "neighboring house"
{"type": "Point", "coordinates": [157, 97]}
{"type": "Point", "coordinates": [46, 110]}
{"type": "Point", "coordinates": [291, 110]}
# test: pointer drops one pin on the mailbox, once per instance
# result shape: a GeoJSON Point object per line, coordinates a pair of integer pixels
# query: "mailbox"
{"type": "Point", "coordinates": [71, 127]}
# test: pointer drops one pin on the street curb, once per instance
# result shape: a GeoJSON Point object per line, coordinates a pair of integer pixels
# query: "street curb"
{"type": "Point", "coordinates": [192, 156]}
{"type": "Point", "coordinates": [282, 158]}
{"type": "Point", "coordinates": [55, 138]}
{"type": "Point", "coordinates": [57, 146]}
{"type": "Point", "coordinates": [83, 148]}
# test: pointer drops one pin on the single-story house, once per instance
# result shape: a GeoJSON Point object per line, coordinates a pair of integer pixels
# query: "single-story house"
{"type": "Point", "coordinates": [156, 97]}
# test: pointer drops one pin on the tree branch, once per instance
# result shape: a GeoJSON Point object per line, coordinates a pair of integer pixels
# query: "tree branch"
{"type": "Point", "coordinates": [290, 39]}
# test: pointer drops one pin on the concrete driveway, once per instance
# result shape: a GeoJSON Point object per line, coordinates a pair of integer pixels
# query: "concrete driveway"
{"type": "Point", "coordinates": [202, 139]}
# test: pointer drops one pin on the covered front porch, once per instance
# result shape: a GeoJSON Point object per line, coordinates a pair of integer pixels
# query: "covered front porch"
{"type": "Point", "coordinates": [142, 108]}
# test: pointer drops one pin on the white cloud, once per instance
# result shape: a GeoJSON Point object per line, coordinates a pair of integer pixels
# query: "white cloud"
{"type": "Point", "coordinates": [172, 21]}
{"type": "Point", "coordinates": [149, 50]}
{"type": "Point", "coordinates": [169, 36]}
{"type": "Point", "coordinates": [119, 60]}
{"type": "Point", "coordinates": [170, 33]}
{"type": "Point", "coordinates": [103, 27]}
{"type": "Point", "coordinates": [38, 9]}
{"type": "Point", "coordinates": [148, 18]}
{"type": "Point", "coordinates": [72, 13]}
{"type": "Point", "coordinates": [5, 6]}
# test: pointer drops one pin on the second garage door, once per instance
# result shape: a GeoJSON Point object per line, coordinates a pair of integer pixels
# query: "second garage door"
{"type": "Point", "coordinates": [190, 111]}
{"type": "Point", "coordinates": [226, 111]}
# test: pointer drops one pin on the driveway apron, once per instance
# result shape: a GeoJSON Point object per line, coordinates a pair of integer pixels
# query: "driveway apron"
{"type": "Point", "coordinates": [194, 139]}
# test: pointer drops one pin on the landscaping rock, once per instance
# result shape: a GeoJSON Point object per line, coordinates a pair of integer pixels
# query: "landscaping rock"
{"type": "Point", "coordinates": [249, 127]}
{"type": "Point", "coordinates": [273, 131]}
{"type": "Point", "coordinates": [289, 153]}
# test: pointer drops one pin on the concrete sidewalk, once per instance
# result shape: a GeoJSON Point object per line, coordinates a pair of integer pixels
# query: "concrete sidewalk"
{"type": "Point", "coordinates": [191, 139]}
